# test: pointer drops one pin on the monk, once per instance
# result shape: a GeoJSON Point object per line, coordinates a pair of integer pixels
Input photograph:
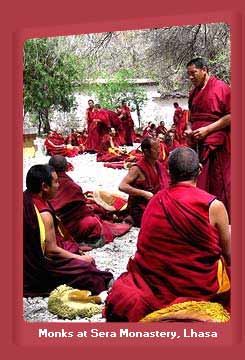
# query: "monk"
{"type": "Point", "coordinates": [110, 150]}
{"type": "Point", "coordinates": [181, 127]}
{"type": "Point", "coordinates": [209, 129]}
{"type": "Point", "coordinates": [170, 141]}
{"type": "Point", "coordinates": [116, 123]}
{"type": "Point", "coordinates": [163, 149]}
{"type": "Point", "coordinates": [151, 131]}
{"type": "Point", "coordinates": [78, 218]}
{"type": "Point", "coordinates": [47, 264]}
{"type": "Point", "coordinates": [55, 144]}
{"type": "Point", "coordinates": [161, 129]}
{"type": "Point", "coordinates": [144, 179]}
{"type": "Point", "coordinates": [177, 113]}
{"type": "Point", "coordinates": [183, 248]}
{"type": "Point", "coordinates": [99, 126]}
{"type": "Point", "coordinates": [74, 139]}
{"type": "Point", "coordinates": [89, 113]}
{"type": "Point", "coordinates": [127, 122]}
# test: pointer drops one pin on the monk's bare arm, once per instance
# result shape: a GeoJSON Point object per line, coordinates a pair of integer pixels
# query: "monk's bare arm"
{"type": "Point", "coordinates": [218, 217]}
{"type": "Point", "coordinates": [220, 124]}
{"type": "Point", "coordinates": [51, 247]}
{"type": "Point", "coordinates": [125, 185]}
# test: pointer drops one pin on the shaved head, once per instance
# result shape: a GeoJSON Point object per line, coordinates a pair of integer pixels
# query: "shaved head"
{"type": "Point", "coordinates": [183, 164]}
{"type": "Point", "coordinates": [58, 162]}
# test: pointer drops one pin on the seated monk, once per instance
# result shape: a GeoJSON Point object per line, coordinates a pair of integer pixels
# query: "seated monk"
{"type": "Point", "coordinates": [47, 264]}
{"type": "Point", "coordinates": [144, 179]}
{"type": "Point", "coordinates": [164, 152]}
{"type": "Point", "coordinates": [78, 218]}
{"type": "Point", "coordinates": [170, 141]}
{"type": "Point", "coordinates": [55, 144]}
{"type": "Point", "coordinates": [74, 139]}
{"type": "Point", "coordinates": [183, 248]}
{"type": "Point", "coordinates": [151, 131]}
{"type": "Point", "coordinates": [116, 123]}
{"type": "Point", "coordinates": [161, 128]}
{"type": "Point", "coordinates": [146, 129]}
{"type": "Point", "coordinates": [110, 150]}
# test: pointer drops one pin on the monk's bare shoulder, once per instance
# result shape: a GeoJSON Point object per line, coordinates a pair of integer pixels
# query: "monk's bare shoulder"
{"type": "Point", "coordinates": [217, 213]}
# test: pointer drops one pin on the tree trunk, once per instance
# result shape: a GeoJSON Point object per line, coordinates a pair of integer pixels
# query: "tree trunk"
{"type": "Point", "coordinates": [45, 120]}
{"type": "Point", "coordinates": [138, 114]}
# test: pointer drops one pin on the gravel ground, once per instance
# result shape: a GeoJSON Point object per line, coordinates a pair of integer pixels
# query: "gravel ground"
{"type": "Point", "coordinates": [90, 175]}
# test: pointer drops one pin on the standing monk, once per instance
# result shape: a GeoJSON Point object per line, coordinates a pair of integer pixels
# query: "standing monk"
{"type": "Point", "coordinates": [209, 129]}
{"type": "Point", "coordinates": [93, 137]}
{"type": "Point", "coordinates": [144, 179]}
{"type": "Point", "coordinates": [177, 113]}
{"type": "Point", "coordinates": [127, 122]}
{"type": "Point", "coordinates": [89, 112]}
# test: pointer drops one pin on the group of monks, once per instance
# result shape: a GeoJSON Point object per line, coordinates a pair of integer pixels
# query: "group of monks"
{"type": "Point", "coordinates": [178, 187]}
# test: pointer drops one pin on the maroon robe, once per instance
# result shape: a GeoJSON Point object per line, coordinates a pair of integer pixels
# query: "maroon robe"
{"type": "Point", "coordinates": [105, 155]}
{"type": "Point", "coordinates": [99, 126]}
{"type": "Point", "coordinates": [42, 275]}
{"type": "Point", "coordinates": [177, 115]}
{"type": "Point", "coordinates": [177, 257]}
{"type": "Point", "coordinates": [153, 182]}
{"type": "Point", "coordinates": [181, 126]}
{"type": "Point", "coordinates": [161, 130]}
{"type": "Point", "coordinates": [79, 219]}
{"type": "Point", "coordinates": [127, 123]}
{"type": "Point", "coordinates": [116, 123]}
{"type": "Point", "coordinates": [206, 106]}
{"type": "Point", "coordinates": [55, 145]}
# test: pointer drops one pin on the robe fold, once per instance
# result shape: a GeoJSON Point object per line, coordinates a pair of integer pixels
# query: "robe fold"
{"type": "Point", "coordinates": [55, 145]}
{"type": "Point", "coordinates": [178, 257]}
{"type": "Point", "coordinates": [98, 127]}
{"type": "Point", "coordinates": [207, 106]}
{"type": "Point", "coordinates": [155, 179]}
{"type": "Point", "coordinates": [79, 219]}
{"type": "Point", "coordinates": [41, 274]}
{"type": "Point", "coordinates": [127, 124]}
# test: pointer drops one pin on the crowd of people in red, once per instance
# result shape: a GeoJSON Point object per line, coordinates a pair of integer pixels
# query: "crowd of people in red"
{"type": "Point", "coordinates": [178, 187]}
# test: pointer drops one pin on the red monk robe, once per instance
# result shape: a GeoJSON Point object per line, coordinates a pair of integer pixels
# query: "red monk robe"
{"type": "Point", "coordinates": [178, 257]}
{"type": "Point", "coordinates": [177, 115]}
{"type": "Point", "coordinates": [55, 145]}
{"type": "Point", "coordinates": [127, 123]}
{"type": "Point", "coordinates": [98, 128]}
{"type": "Point", "coordinates": [79, 219]}
{"type": "Point", "coordinates": [154, 181]}
{"type": "Point", "coordinates": [116, 123]}
{"type": "Point", "coordinates": [41, 274]}
{"type": "Point", "coordinates": [75, 139]}
{"type": "Point", "coordinates": [181, 126]}
{"type": "Point", "coordinates": [207, 106]}
{"type": "Point", "coordinates": [110, 151]}
{"type": "Point", "coordinates": [161, 129]}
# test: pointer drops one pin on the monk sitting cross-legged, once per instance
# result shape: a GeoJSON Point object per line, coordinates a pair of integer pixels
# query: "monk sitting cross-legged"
{"type": "Point", "coordinates": [183, 249]}
{"type": "Point", "coordinates": [144, 179]}
{"type": "Point", "coordinates": [78, 218]}
{"type": "Point", "coordinates": [47, 262]}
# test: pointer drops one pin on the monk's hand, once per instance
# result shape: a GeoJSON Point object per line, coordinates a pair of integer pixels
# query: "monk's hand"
{"type": "Point", "coordinates": [87, 258]}
{"type": "Point", "coordinates": [148, 195]}
{"type": "Point", "coordinates": [187, 132]}
{"type": "Point", "coordinates": [200, 133]}
{"type": "Point", "coordinates": [69, 146]}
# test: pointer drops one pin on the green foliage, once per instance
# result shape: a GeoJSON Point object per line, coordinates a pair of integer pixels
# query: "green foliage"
{"type": "Point", "coordinates": [51, 74]}
{"type": "Point", "coordinates": [220, 66]}
{"type": "Point", "coordinates": [121, 85]}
